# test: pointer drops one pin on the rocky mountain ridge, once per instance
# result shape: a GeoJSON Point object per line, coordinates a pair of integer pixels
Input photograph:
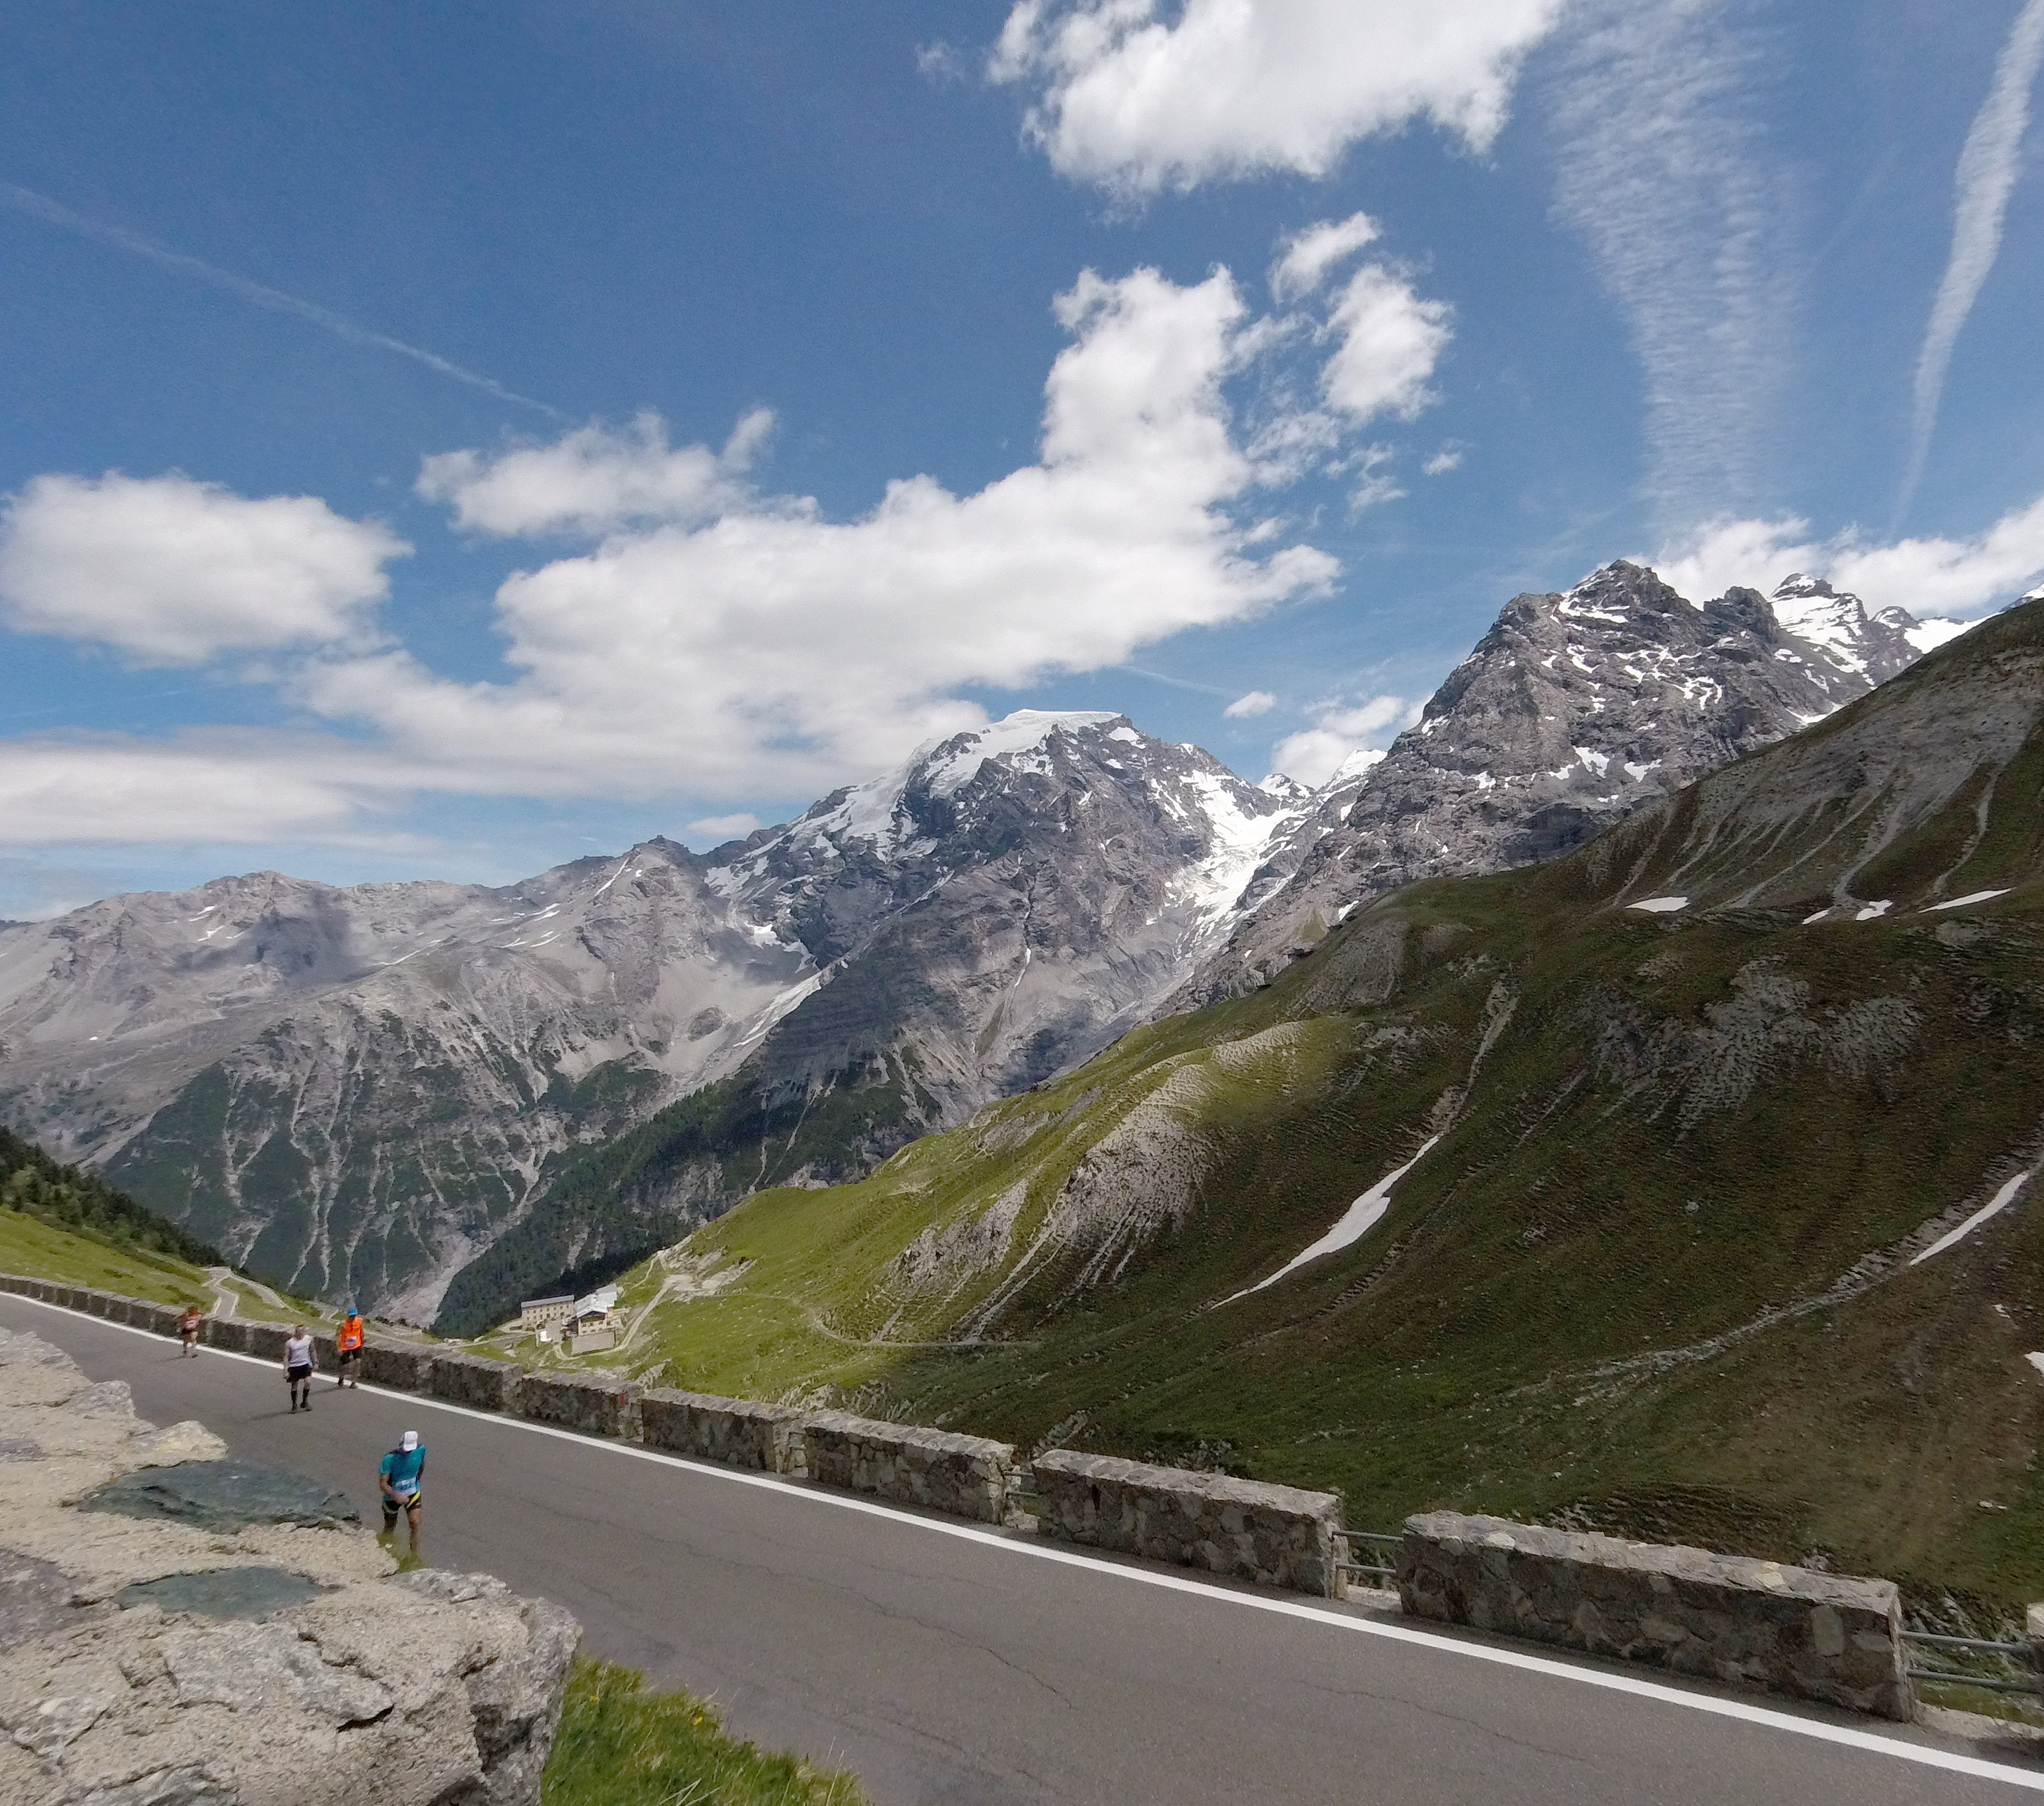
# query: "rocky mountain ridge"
{"type": "Point", "coordinates": [1575, 709]}
{"type": "Point", "coordinates": [358, 1088]}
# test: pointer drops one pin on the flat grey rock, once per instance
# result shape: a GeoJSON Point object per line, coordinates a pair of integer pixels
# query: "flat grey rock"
{"type": "Point", "coordinates": [223, 1593]}
{"type": "Point", "coordinates": [224, 1494]}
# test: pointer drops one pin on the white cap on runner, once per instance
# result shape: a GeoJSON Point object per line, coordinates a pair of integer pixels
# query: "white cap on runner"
{"type": "Point", "coordinates": [409, 1441]}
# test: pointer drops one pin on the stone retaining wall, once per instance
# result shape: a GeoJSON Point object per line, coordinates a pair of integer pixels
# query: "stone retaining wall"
{"type": "Point", "coordinates": [766, 1438]}
{"type": "Point", "coordinates": [597, 1405]}
{"type": "Point", "coordinates": [479, 1384]}
{"type": "Point", "coordinates": [265, 1341]}
{"type": "Point", "coordinates": [1748, 1624]}
{"type": "Point", "coordinates": [966, 1475]}
{"type": "Point", "coordinates": [400, 1365]}
{"type": "Point", "coordinates": [1279, 1535]}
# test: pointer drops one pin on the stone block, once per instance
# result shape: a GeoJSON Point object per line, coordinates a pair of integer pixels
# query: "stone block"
{"type": "Point", "coordinates": [1747, 1623]}
{"type": "Point", "coordinates": [97, 1302]}
{"type": "Point", "coordinates": [597, 1405]}
{"type": "Point", "coordinates": [1277, 1536]}
{"type": "Point", "coordinates": [230, 1333]}
{"type": "Point", "coordinates": [2035, 1627]}
{"type": "Point", "coordinates": [402, 1367]}
{"type": "Point", "coordinates": [162, 1320]}
{"type": "Point", "coordinates": [908, 1466]}
{"type": "Point", "coordinates": [766, 1438]}
{"type": "Point", "coordinates": [324, 1352]}
{"type": "Point", "coordinates": [479, 1384]}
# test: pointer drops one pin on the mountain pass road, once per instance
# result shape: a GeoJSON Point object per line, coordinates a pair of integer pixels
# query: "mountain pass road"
{"type": "Point", "coordinates": [951, 1667]}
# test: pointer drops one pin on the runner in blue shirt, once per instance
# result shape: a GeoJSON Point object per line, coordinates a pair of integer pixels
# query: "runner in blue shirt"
{"type": "Point", "coordinates": [400, 1477]}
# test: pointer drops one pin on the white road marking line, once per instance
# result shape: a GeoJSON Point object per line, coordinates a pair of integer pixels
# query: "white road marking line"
{"type": "Point", "coordinates": [1873, 1741]}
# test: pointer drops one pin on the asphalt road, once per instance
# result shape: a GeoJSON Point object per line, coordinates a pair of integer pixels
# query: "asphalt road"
{"type": "Point", "coordinates": [947, 1668]}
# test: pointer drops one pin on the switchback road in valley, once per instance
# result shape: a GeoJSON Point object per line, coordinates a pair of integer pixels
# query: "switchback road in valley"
{"type": "Point", "coordinates": [949, 1667]}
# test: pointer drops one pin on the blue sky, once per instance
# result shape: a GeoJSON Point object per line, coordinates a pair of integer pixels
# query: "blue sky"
{"type": "Point", "coordinates": [446, 441]}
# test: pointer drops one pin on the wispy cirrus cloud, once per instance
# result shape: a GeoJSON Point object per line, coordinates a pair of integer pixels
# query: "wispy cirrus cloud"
{"type": "Point", "coordinates": [257, 294]}
{"type": "Point", "coordinates": [1665, 169]}
{"type": "Point", "coordinates": [1989, 165]}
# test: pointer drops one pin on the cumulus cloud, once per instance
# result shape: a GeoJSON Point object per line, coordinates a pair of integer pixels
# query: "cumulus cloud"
{"type": "Point", "coordinates": [1389, 340]}
{"type": "Point", "coordinates": [769, 648]}
{"type": "Point", "coordinates": [174, 572]}
{"type": "Point", "coordinates": [593, 480]}
{"type": "Point", "coordinates": [1449, 458]}
{"type": "Point", "coordinates": [1231, 88]}
{"type": "Point", "coordinates": [1308, 254]}
{"type": "Point", "coordinates": [709, 640]}
{"type": "Point", "coordinates": [1989, 165]}
{"type": "Point", "coordinates": [1256, 702]}
{"type": "Point", "coordinates": [1338, 739]}
{"type": "Point", "coordinates": [1929, 577]}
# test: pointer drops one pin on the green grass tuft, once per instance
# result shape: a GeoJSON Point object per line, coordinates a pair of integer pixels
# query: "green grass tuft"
{"type": "Point", "coordinates": [621, 1744]}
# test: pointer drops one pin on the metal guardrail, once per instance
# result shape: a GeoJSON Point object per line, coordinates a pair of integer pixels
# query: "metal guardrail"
{"type": "Point", "coordinates": [1981, 1645]}
{"type": "Point", "coordinates": [1351, 1567]}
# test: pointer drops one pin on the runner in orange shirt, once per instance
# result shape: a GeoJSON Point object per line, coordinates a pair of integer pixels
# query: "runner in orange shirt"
{"type": "Point", "coordinates": [347, 1342]}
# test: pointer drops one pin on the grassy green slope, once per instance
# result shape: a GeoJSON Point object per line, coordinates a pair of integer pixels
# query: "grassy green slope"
{"type": "Point", "coordinates": [43, 1251]}
{"type": "Point", "coordinates": [33, 1182]}
{"type": "Point", "coordinates": [1657, 1273]}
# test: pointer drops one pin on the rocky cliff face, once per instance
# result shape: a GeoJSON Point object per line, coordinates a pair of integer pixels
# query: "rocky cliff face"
{"type": "Point", "coordinates": [180, 1630]}
{"type": "Point", "coordinates": [1574, 710]}
{"type": "Point", "coordinates": [358, 1088]}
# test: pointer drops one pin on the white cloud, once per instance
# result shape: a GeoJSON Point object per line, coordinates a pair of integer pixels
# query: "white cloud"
{"type": "Point", "coordinates": [1377, 485]}
{"type": "Point", "coordinates": [771, 650]}
{"type": "Point", "coordinates": [592, 480]}
{"type": "Point", "coordinates": [1256, 702]}
{"type": "Point", "coordinates": [1390, 340]}
{"type": "Point", "coordinates": [1659, 111]}
{"type": "Point", "coordinates": [1338, 737]}
{"type": "Point", "coordinates": [1310, 253]}
{"type": "Point", "coordinates": [220, 788]}
{"type": "Point", "coordinates": [1989, 165]}
{"type": "Point", "coordinates": [1449, 458]}
{"type": "Point", "coordinates": [1234, 88]}
{"type": "Point", "coordinates": [1929, 577]}
{"type": "Point", "coordinates": [725, 827]}
{"type": "Point", "coordinates": [175, 572]}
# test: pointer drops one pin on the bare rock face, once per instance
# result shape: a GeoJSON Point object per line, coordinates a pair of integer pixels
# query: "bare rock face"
{"type": "Point", "coordinates": [152, 1661]}
{"type": "Point", "coordinates": [1574, 710]}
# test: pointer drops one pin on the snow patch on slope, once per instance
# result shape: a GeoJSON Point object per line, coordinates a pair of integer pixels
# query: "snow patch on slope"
{"type": "Point", "coordinates": [1361, 1217]}
{"type": "Point", "coordinates": [1994, 1206]}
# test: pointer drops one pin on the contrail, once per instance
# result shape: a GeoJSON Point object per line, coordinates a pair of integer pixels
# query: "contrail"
{"type": "Point", "coordinates": [52, 212]}
{"type": "Point", "coordinates": [1986, 172]}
